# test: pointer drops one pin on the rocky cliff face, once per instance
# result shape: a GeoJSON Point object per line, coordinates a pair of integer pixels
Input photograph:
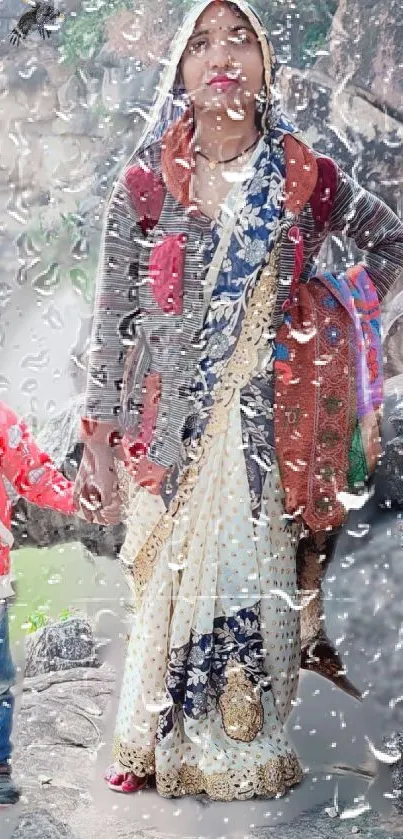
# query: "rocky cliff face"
{"type": "Point", "coordinates": [63, 138]}
{"type": "Point", "coordinates": [366, 47]}
{"type": "Point", "coordinates": [350, 103]}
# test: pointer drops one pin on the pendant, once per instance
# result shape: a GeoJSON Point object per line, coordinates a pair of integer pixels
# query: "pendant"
{"type": "Point", "coordinates": [212, 164]}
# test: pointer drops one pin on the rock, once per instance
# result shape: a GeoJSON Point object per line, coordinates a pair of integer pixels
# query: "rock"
{"type": "Point", "coordinates": [124, 88]}
{"type": "Point", "coordinates": [58, 732]}
{"type": "Point", "coordinates": [40, 824]}
{"type": "Point", "coordinates": [375, 28]}
{"type": "Point", "coordinates": [346, 124]}
{"type": "Point", "coordinates": [391, 472]}
{"type": "Point", "coordinates": [92, 678]}
{"type": "Point", "coordinates": [389, 483]}
{"type": "Point", "coordinates": [315, 824]}
{"type": "Point", "coordinates": [362, 593]}
{"type": "Point", "coordinates": [61, 646]}
{"type": "Point", "coordinates": [362, 586]}
{"type": "Point", "coordinates": [395, 743]}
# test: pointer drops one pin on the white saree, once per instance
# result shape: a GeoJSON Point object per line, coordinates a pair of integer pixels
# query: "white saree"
{"type": "Point", "coordinates": [216, 564]}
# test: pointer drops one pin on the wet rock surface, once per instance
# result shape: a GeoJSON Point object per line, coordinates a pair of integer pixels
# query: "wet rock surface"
{"type": "Point", "coordinates": [61, 646]}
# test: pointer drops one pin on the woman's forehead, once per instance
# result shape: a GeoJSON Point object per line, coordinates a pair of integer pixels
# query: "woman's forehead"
{"type": "Point", "coordinates": [220, 15]}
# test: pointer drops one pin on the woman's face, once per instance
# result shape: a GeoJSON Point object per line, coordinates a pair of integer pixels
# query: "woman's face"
{"type": "Point", "coordinates": [222, 65]}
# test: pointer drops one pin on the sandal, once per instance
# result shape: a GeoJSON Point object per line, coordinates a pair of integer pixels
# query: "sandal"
{"type": "Point", "coordinates": [123, 781]}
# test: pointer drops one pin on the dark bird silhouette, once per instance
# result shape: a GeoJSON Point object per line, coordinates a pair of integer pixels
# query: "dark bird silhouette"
{"type": "Point", "coordinates": [39, 17]}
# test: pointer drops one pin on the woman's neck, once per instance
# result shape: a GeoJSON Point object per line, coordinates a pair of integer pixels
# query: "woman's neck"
{"type": "Point", "coordinates": [219, 137]}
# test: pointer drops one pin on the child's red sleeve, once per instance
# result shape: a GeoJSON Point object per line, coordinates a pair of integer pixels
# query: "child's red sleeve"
{"type": "Point", "coordinates": [30, 470]}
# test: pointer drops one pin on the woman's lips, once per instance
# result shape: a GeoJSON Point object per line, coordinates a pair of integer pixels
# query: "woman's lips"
{"type": "Point", "coordinates": [222, 82]}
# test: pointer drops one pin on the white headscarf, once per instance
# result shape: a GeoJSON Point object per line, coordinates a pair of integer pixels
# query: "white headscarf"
{"type": "Point", "coordinates": [171, 103]}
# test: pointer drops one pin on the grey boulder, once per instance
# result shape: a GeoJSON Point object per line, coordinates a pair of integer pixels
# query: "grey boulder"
{"type": "Point", "coordinates": [61, 646]}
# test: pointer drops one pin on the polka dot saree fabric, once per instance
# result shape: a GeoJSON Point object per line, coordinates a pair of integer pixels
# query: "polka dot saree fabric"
{"type": "Point", "coordinates": [221, 607]}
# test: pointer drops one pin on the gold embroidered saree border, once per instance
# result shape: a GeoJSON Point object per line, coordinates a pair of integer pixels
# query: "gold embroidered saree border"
{"type": "Point", "coordinates": [137, 760]}
{"type": "Point", "coordinates": [268, 780]}
{"type": "Point", "coordinates": [236, 374]}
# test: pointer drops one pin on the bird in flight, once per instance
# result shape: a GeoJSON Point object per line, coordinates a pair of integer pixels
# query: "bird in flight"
{"type": "Point", "coordinates": [41, 16]}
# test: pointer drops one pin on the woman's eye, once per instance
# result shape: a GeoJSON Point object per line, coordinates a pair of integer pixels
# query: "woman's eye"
{"type": "Point", "coordinates": [196, 47]}
{"type": "Point", "coordinates": [239, 38]}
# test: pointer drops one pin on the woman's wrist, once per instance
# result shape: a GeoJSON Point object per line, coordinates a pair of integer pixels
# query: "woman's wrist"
{"type": "Point", "coordinates": [97, 434]}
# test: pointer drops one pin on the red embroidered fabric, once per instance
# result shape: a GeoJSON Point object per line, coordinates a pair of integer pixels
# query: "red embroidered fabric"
{"type": "Point", "coordinates": [324, 193]}
{"type": "Point", "coordinates": [177, 160]}
{"type": "Point", "coordinates": [315, 407]}
{"type": "Point", "coordinates": [301, 174]}
{"type": "Point", "coordinates": [145, 472]}
{"type": "Point", "coordinates": [147, 193]}
{"type": "Point", "coordinates": [165, 270]}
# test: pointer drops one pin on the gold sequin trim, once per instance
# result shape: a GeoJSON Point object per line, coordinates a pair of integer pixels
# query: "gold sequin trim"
{"type": "Point", "coordinates": [236, 374]}
{"type": "Point", "coordinates": [124, 481]}
{"type": "Point", "coordinates": [240, 705]}
{"type": "Point", "coordinates": [139, 761]}
{"type": "Point", "coordinates": [270, 780]}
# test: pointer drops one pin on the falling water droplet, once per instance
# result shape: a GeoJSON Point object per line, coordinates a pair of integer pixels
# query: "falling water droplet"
{"type": "Point", "coordinates": [354, 812]}
{"type": "Point", "coordinates": [80, 249]}
{"type": "Point", "coordinates": [46, 282]}
{"type": "Point", "coordinates": [27, 73]}
{"type": "Point", "coordinates": [36, 362]}
{"type": "Point", "coordinates": [54, 579]}
{"type": "Point", "coordinates": [28, 386]}
{"type": "Point", "coordinates": [79, 281]}
{"type": "Point", "coordinates": [53, 318]}
{"type": "Point", "coordinates": [26, 246]}
{"type": "Point", "coordinates": [392, 142]}
{"type": "Point", "coordinates": [303, 337]}
{"type": "Point", "coordinates": [22, 275]}
{"type": "Point", "coordinates": [4, 384]}
{"type": "Point", "coordinates": [384, 757]}
{"type": "Point", "coordinates": [5, 294]}
{"type": "Point", "coordinates": [363, 530]}
{"type": "Point", "coordinates": [348, 561]}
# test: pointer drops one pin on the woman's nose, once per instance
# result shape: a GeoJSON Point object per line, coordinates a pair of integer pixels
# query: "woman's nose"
{"type": "Point", "coordinates": [220, 53]}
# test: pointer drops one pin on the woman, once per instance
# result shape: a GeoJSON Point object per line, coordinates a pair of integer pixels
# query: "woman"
{"type": "Point", "coordinates": [219, 211]}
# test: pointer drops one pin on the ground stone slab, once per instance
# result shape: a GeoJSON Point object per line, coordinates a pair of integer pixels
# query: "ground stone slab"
{"type": "Point", "coordinates": [318, 825]}
{"type": "Point", "coordinates": [395, 743]}
{"type": "Point", "coordinates": [41, 825]}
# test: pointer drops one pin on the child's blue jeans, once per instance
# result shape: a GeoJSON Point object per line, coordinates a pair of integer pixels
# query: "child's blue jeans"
{"type": "Point", "coordinates": [7, 679]}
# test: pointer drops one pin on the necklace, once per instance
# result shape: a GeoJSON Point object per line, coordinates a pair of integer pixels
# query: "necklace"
{"type": "Point", "coordinates": [213, 163]}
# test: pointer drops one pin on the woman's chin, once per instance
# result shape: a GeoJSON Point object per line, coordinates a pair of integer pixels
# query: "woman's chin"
{"type": "Point", "coordinates": [223, 103]}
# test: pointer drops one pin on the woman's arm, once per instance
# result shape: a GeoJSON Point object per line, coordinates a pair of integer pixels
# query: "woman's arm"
{"type": "Point", "coordinates": [115, 298]}
{"type": "Point", "coordinates": [375, 228]}
{"type": "Point", "coordinates": [96, 488]}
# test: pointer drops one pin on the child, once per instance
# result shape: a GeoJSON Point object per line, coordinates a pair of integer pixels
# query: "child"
{"type": "Point", "coordinates": [34, 476]}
